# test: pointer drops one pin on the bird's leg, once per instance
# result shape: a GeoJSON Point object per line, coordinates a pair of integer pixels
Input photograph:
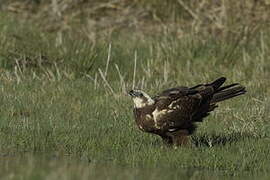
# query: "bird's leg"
{"type": "Point", "coordinates": [167, 140]}
{"type": "Point", "coordinates": [180, 137]}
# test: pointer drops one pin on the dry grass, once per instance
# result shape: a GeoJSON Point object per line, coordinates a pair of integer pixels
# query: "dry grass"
{"type": "Point", "coordinates": [96, 19]}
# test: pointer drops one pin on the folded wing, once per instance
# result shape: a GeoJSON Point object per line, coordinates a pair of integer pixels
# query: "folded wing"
{"type": "Point", "coordinates": [180, 107]}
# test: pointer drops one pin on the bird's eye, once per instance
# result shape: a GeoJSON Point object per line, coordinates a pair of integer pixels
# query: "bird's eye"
{"type": "Point", "coordinates": [141, 94]}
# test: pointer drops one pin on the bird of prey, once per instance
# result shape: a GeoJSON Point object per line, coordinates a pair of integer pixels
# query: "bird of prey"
{"type": "Point", "coordinates": [173, 113]}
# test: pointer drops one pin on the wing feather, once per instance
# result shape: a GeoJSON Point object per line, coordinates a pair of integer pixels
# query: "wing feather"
{"type": "Point", "coordinates": [173, 110]}
{"type": "Point", "coordinates": [179, 107]}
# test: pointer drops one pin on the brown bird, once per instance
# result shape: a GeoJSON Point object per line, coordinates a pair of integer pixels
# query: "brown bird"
{"type": "Point", "coordinates": [173, 113]}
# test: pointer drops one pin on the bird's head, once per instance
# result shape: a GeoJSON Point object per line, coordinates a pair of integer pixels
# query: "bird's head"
{"type": "Point", "coordinates": [140, 98]}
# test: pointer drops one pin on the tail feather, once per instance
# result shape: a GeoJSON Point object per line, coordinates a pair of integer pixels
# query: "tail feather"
{"type": "Point", "coordinates": [226, 87]}
{"type": "Point", "coordinates": [217, 93]}
{"type": "Point", "coordinates": [228, 92]}
{"type": "Point", "coordinates": [217, 83]}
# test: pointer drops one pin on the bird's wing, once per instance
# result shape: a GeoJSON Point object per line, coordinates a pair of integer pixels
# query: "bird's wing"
{"type": "Point", "coordinates": [174, 107]}
{"type": "Point", "coordinates": [177, 107]}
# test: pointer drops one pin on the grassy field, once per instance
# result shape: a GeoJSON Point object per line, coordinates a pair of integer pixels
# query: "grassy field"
{"type": "Point", "coordinates": [65, 114]}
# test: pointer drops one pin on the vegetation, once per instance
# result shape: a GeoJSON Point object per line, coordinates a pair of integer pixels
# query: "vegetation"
{"type": "Point", "coordinates": [64, 111]}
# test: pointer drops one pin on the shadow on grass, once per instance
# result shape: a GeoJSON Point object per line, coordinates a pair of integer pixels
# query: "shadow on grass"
{"type": "Point", "coordinates": [211, 140]}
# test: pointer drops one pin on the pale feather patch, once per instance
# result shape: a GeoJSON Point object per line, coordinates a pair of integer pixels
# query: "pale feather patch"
{"type": "Point", "coordinates": [149, 99]}
{"type": "Point", "coordinates": [174, 105]}
{"type": "Point", "coordinates": [157, 115]}
{"type": "Point", "coordinates": [172, 129]}
{"type": "Point", "coordinates": [162, 97]}
{"type": "Point", "coordinates": [149, 117]}
{"type": "Point", "coordinates": [141, 127]}
{"type": "Point", "coordinates": [174, 92]}
{"type": "Point", "coordinates": [140, 102]}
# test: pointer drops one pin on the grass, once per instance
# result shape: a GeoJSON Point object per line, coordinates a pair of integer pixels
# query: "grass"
{"type": "Point", "coordinates": [64, 111]}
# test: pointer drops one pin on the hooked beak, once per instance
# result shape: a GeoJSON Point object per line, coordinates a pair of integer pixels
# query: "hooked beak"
{"type": "Point", "coordinates": [132, 93]}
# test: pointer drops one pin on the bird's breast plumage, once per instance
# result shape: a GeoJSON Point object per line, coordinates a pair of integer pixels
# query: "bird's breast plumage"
{"type": "Point", "coordinates": [144, 119]}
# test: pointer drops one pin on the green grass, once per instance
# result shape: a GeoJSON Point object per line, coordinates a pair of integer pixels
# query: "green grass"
{"type": "Point", "coordinates": [64, 112]}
